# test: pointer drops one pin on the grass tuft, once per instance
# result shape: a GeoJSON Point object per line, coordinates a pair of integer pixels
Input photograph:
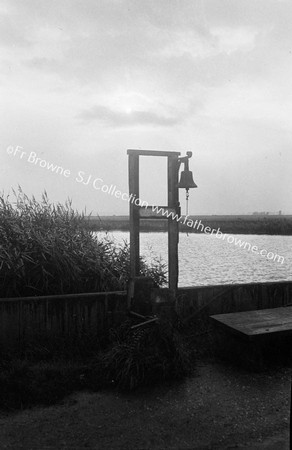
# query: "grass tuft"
{"type": "Point", "coordinates": [145, 356]}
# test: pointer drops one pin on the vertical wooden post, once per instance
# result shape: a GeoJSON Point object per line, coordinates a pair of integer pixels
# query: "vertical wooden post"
{"type": "Point", "coordinates": [173, 225]}
{"type": "Point", "coordinates": [134, 215]}
{"type": "Point", "coordinates": [290, 430]}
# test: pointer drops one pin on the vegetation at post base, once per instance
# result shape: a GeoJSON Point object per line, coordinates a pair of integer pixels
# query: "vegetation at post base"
{"type": "Point", "coordinates": [48, 249]}
{"type": "Point", "coordinates": [132, 358]}
{"type": "Point", "coordinates": [145, 355]}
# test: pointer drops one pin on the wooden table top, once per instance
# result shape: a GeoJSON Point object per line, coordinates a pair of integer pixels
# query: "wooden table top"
{"type": "Point", "coordinates": [251, 324]}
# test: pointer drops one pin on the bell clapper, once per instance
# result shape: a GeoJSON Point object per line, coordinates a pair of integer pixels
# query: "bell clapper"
{"type": "Point", "coordinates": [187, 205]}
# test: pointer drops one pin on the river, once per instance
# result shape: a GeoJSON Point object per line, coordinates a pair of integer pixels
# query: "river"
{"type": "Point", "coordinates": [206, 260]}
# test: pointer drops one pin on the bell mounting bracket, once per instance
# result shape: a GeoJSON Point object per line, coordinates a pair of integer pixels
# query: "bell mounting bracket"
{"type": "Point", "coordinates": [185, 160]}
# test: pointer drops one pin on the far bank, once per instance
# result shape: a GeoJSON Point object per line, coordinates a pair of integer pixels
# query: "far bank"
{"type": "Point", "coordinates": [244, 224]}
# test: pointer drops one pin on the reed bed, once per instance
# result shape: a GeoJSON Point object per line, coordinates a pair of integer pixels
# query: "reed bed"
{"type": "Point", "coordinates": [48, 249]}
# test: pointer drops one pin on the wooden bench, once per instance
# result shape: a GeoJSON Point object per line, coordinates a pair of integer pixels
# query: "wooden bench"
{"type": "Point", "coordinates": [257, 331]}
{"type": "Point", "coordinates": [253, 324]}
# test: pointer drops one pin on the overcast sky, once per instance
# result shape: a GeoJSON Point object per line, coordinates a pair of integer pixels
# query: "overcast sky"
{"type": "Point", "coordinates": [84, 80]}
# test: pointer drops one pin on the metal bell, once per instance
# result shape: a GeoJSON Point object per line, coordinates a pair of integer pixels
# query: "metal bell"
{"type": "Point", "coordinates": [186, 180]}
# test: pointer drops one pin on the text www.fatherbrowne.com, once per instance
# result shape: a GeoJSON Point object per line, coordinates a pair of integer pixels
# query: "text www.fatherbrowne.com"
{"type": "Point", "coordinates": [99, 185]}
{"type": "Point", "coordinates": [198, 225]}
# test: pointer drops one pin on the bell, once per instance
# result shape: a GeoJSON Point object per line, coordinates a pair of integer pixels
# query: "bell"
{"type": "Point", "coordinates": [186, 180]}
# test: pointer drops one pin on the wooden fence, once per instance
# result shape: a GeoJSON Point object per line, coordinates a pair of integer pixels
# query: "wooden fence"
{"type": "Point", "coordinates": [24, 320]}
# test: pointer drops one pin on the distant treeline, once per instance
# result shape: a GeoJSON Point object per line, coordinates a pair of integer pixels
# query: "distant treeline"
{"type": "Point", "coordinates": [252, 224]}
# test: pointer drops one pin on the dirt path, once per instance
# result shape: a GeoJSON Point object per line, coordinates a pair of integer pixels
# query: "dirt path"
{"type": "Point", "coordinates": [219, 408]}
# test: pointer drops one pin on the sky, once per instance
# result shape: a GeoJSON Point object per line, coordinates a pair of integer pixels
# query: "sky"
{"type": "Point", "coordinates": [82, 81]}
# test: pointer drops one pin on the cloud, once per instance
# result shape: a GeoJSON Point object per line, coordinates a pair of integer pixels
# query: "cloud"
{"type": "Point", "coordinates": [128, 118]}
{"type": "Point", "coordinates": [11, 35]}
{"type": "Point", "coordinates": [199, 74]}
{"type": "Point", "coordinates": [235, 39]}
{"type": "Point", "coordinates": [120, 42]}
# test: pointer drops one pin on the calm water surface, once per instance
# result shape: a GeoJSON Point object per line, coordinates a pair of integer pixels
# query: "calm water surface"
{"type": "Point", "coordinates": [206, 260]}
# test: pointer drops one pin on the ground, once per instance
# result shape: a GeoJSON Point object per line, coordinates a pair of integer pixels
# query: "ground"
{"type": "Point", "coordinates": [220, 407]}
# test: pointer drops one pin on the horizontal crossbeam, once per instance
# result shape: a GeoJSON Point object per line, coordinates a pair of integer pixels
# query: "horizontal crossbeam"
{"type": "Point", "coordinates": [151, 153]}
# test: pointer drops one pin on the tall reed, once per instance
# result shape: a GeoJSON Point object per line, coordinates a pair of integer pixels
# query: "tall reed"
{"type": "Point", "coordinates": [48, 248]}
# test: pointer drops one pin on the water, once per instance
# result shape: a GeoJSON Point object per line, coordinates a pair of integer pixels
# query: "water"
{"type": "Point", "coordinates": [206, 260]}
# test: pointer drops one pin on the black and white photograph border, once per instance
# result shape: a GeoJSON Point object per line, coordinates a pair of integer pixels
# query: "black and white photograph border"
{"type": "Point", "coordinates": [145, 224]}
